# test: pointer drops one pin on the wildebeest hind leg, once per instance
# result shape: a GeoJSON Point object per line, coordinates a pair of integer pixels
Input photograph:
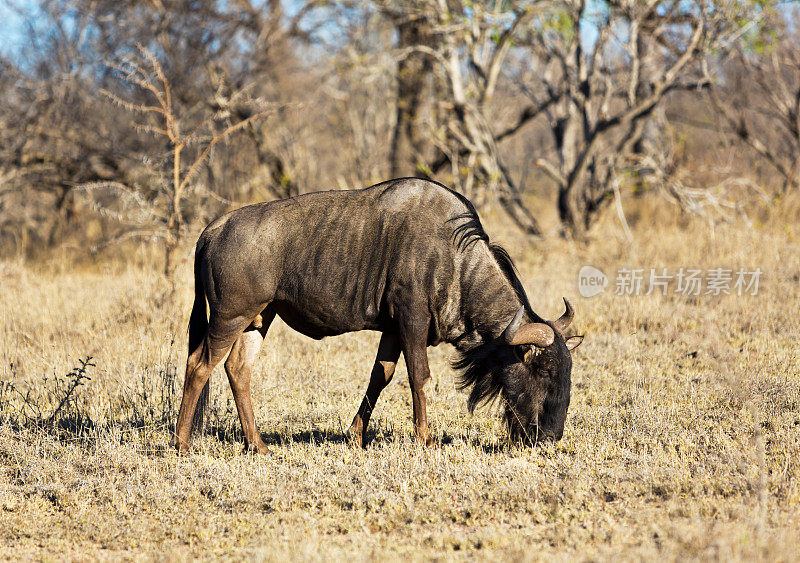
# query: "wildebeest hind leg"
{"type": "Point", "coordinates": [219, 338]}
{"type": "Point", "coordinates": [382, 372]}
{"type": "Point", "coordinates": [239, 367]}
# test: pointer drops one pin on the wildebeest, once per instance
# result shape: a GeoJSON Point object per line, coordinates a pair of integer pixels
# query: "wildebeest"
{"type": "Point", "coordinates": [408, 258]}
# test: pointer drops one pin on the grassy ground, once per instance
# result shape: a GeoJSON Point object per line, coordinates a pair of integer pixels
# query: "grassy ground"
{"type": "Point", "coordinates": [683, 437]}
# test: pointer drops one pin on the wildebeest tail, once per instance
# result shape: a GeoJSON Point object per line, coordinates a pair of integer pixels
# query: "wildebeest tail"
{"type": "Point", "coordinates": [198, 328]}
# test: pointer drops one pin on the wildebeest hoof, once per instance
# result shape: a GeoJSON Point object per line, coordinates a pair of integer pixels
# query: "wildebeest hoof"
{"type": "Point", "coordinates": [428, 441]}
{"type": "Point", "coordinates": [257, 449]}
{"type": "Point", "coordinates": [355, 434]}
{"type": "Point", "coordinates": [355, 440]}
{"type": "Point", "coordinates": [182, 448]}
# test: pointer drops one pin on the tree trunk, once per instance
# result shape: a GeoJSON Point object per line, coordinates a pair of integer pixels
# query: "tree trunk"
{"type": "Point", "coordinates": [408, 144]}
{"type": "Point", "coordinates": [571, 222]}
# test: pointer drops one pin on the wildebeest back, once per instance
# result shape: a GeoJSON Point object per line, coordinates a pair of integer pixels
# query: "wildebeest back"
{"type": "Point", "coordinates": [336, 260]}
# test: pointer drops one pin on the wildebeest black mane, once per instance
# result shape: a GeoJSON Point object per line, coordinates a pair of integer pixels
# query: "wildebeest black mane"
{"type": "Point", "coordinates": [470, 232]}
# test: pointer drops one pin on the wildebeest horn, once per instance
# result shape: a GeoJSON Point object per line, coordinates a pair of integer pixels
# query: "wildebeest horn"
{"type": "Point", "coordinates": [538, 334]}
{"type": "Point", "coordinates": [565, 320]}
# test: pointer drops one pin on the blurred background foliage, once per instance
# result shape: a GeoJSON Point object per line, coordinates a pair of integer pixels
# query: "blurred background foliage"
{"type": "Point", "coordinates": [127, 123]}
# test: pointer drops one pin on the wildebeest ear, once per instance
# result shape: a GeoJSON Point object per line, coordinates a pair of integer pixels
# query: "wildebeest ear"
{"type": "Point", "coordinates": [574, 341]}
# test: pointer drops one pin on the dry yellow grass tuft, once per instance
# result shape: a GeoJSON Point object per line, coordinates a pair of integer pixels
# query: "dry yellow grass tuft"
{"type": "Point", "coordinates": [683, 437]}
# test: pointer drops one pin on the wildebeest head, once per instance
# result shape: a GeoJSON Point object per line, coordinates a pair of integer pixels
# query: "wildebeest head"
{"type": "Point", "coordinates": [530, 367]}
{"type": "Point", "coordinates": [537, 384]}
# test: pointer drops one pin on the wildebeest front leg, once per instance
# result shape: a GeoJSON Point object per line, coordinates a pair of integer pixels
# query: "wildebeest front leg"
{"type": "Point", "coordinates": [382, 372]}
{"type": "Point", "coordinates": [239, 367]}
{"type": "Point", "coordinates": [415, 344]}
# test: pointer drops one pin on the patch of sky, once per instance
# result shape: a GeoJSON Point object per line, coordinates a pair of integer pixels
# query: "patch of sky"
{"type": "Point", "coordinates": [15, 28]}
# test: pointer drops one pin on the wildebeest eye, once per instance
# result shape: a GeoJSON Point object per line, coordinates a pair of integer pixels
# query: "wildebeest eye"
{"type": "Point", "coordinates": [523, 353]}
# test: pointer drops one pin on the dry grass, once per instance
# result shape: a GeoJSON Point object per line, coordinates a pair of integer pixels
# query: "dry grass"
{"type": "Point", "coordinates": [683, 438]}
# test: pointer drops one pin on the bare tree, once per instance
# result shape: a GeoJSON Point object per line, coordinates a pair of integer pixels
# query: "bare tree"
{"type": "Point", "coordinates": [596, 72]}
{"type": "Point", "coordinates": [60, 132]}
{"type": "Point", "coordinates": [182, 133]}
{"type": "Point", "coordinates": [758, 95]}
{"type": "Point", "coordinates": [605, 126]}
{"type": "Point", "coordinates": [464, 46]}
{"type": "Point", "coordinates": [55, 133]}
{"type": "Point", "coordinates": [410, 147]}
{"type": "Point", "coordinates": [500, 99]}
